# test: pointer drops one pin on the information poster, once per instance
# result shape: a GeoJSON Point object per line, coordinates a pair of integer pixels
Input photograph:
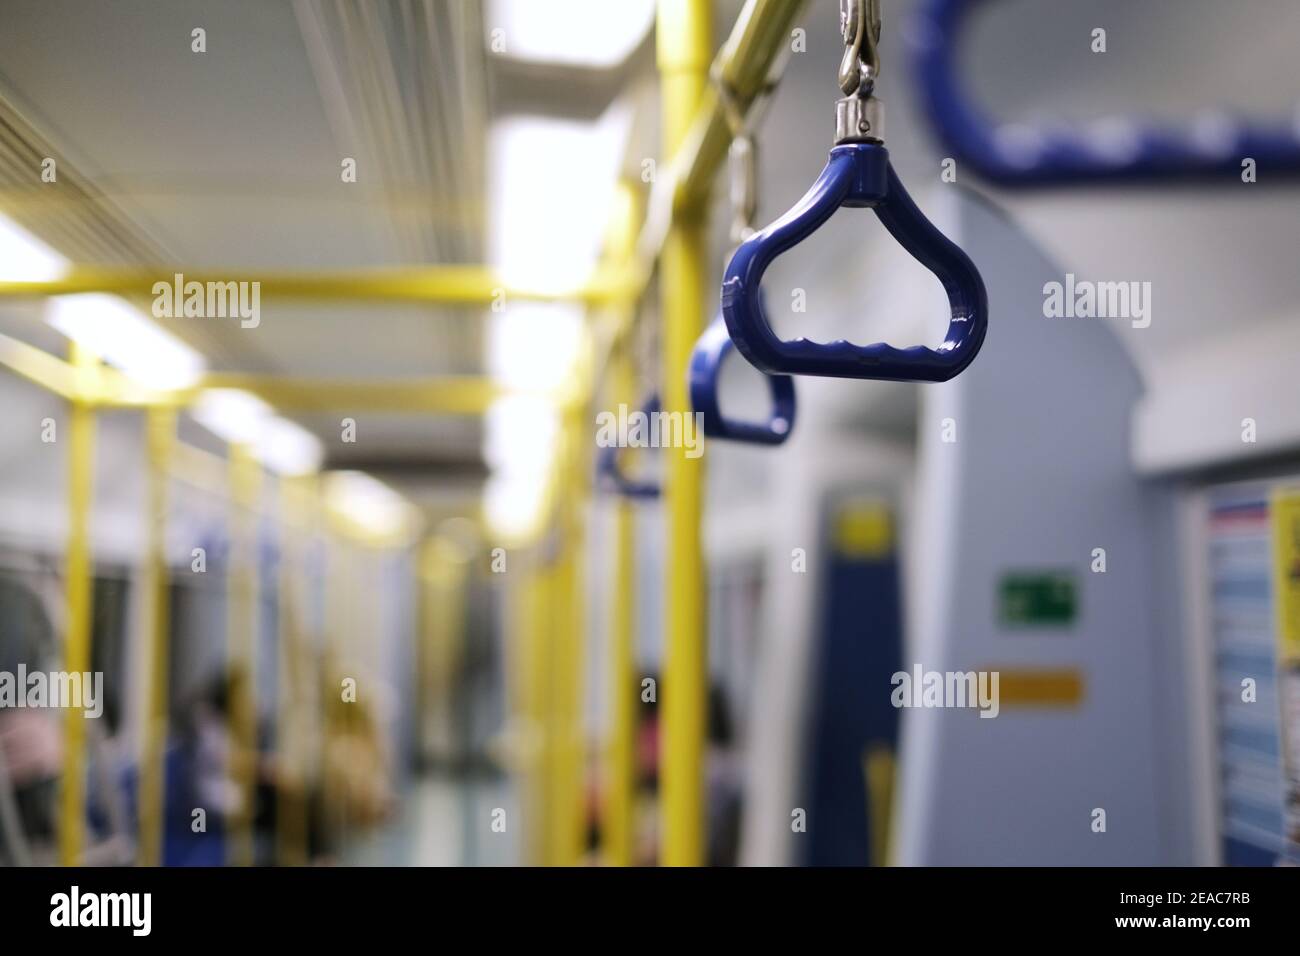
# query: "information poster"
{"type": "Point", "coordinates": [1241, 574]}
{"type": "Point", "coordinates": [1286, 590]}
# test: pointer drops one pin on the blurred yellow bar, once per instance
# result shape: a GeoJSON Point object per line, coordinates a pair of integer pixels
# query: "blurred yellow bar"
{"type": "Point", "coordinates": [49, 372]}
{"type": "Point", "coordinates": [77, 584]}
{"type": "Point", "coordinates": [684, 47]}
{"type": "Point", "coordinates": [760, 39]}
{"type": "Point", "coordinates": [468, 285]}
{"type": "Point", "coordinates": [544, 661]}
{"type": "Point", "coordinates": [528, 628]}
{"type": "Point", "coordinates": [297, 502]}
{"type": "Point", "coordinates": [578, 465]}
{"type": "Point", "coordinates": [1051, 687]}
{"type": "Point", "coordinates": [878, 765]}
{"type": "Point", "coordinates": [618, 823]}
{"type": "Point", "coordinates": [620, 780]}
{"type": "Point", "coordinates": [566, 782]}
{"type": "Point", "coordinates": [160, 426]}
{"type": "Point", "coordinates": [243, 620]}
{"type": "Point", "coordinates": [449, 395]}
{"type": "Point", "coordinates": [750, 61]}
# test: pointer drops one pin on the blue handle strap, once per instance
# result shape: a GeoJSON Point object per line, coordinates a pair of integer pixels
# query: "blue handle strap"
{"type": "Point", "coordinates": [1127, 152]}
{"type": "Point", "coordinates": [609, 475]}
{"type": "Point", "coordinates": [706, 364]}
{"type": "Point", "coordinates": [856, 175]}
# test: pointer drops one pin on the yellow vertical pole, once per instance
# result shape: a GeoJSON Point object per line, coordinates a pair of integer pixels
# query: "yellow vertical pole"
{"type": "Point", "coordinates": [620, 783]}
{"type": "Point", "coordinates": [160, 426]}
{"type": "Point", "coordinates": [340, 572]}
{"type": "Point", "coordinates": [427, 647]}
{"type": "Point", "coordinates": [619, 823]}
{"type": "Point", "coordinates": [295, 494]}
{"type": "Point", "coordinates": [444, 574]}
{"type": "Point", "coordinates": [565, 847]}
{"type": "Point", "coordinates": [77, 590]}
{"type": "Point", "coordinates": [684, 47]}
{"type": "Point", "coordinates": [572, 637]}
{"type": "Point", "coordinates": [529, 630]}
{"type": "Point", "coordinates": [620, 766]}
{"type": "Point", "coordinates": [545, 664]}
{"type": "Point", "coordinates": [242, 620]}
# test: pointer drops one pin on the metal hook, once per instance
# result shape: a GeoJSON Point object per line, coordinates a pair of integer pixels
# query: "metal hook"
{"type": "Point", "coordinates": [858, 117]}
{"type": "Point", "coordinates": [714, 345]}
{"type": "Point", "coordinates": [742, 155]}
{"type": "Point", "coordinates": [860, 28]}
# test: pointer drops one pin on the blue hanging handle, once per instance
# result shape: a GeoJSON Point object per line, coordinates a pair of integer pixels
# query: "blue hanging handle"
{"type": "Point", "coordinates": [706, 364]}
{"type": "Point", "coordinates": [1124, 151]}
{"type": "Point", "coordinates": [857, 174]}
{"type": "Point", "coordinates": [609, 474]}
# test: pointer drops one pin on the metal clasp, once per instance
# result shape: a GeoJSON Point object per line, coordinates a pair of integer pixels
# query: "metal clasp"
{"type": "Point", "coordinates": [858, 116]}
{"type": "Point", "coordinates": [860, 28]}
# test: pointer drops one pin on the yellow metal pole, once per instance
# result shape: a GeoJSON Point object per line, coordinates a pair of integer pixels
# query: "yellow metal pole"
{"type": "Point", "coordinates": [77, 589]}
{"type": "Point", "coordinates": [295, 500]}
{"type": "Point", "coordinates": [427, 648]}
{"type": "Point", "coordinates": [445, 577]}
{"type": "Point", "coordinates": [571, 639]}
{"type": "Point", "coordinates": [619, 822]}
{"type": "Point", "coordinates": [752, 58]}
{"type": "Point", "coordinates": [684, 48]}
{"type": "Point", "coordinates": [546, 697]}
{"type": "Point", "coordinates": [620, 783]}
{"type": "Point", "coordinates": [445, 395]}
{"type": "Point", "coordinates": [160, 424]}
{"type": "Point", "coordinates": [340, 573]}
{"type": "Point", "coordinates": [242, 620]}
{"type": "Point", "coordinates": [566, 787]}
{"type": "Point", "coordinates": [448, 284]}
{"type": "Point", "coordinates": [528, 631]}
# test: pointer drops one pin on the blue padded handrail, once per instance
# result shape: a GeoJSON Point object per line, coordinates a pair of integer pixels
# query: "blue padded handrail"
{"type": "Point", "coordinates": [609, 473]}
{"type": "Point", "coordinates": [706, 365]}
{"type": "Point", "coordinates": [859, 175]}
{"type": "Point", "coordinates": [1127, 152]}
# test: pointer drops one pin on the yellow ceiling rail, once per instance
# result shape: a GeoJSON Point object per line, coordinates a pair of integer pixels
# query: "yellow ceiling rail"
{"type": "Point", "coordinates": [444, 395]}
{"type": "Point", "coordinates": [467, 285]}
{"type": "Point", "coordinates": [37, 366]}
{"type": "Point", "coordinates": [748, 62]}
{"type": "Point", "coordinates": [106, 387]}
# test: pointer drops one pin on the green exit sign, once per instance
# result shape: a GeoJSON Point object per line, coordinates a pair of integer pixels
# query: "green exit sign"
{"type": "Point", "coordinates": [1037, 599]}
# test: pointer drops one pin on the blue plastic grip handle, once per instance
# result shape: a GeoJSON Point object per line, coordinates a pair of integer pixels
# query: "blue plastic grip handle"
{"type": "Point", "coordinates": [610, 476]}
{"type": "Point", "coordinates": [1123, 151]}
{"type": "Point", "coordinates": [856, 175]}
{"type": "Point", "coordinates": [706, 364]}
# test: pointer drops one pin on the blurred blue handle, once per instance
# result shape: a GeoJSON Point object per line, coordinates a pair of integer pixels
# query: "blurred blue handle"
{"type": "Point", "coordinates": [1122, 150]}
{"type": "Point", "coordinates": [609, 475]}
{"type": "Point", "coordinates": [856, 175]}
{"type": "Point", "coordinates": [706, 364]}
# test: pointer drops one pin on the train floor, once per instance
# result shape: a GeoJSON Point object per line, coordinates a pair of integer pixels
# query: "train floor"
{"type": "Point", "coordinates": [443, 820]}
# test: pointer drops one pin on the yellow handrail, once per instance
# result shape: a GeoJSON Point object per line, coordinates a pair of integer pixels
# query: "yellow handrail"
{"type": "Point", "coordinates": [467, 285]}
{"type": "Point", "coordinates": [684, 48]}
{"type": "Point", "coordinates": [160, 426]}
{"type": "Point", "coordinates": [243, 630]}
{"type": "Point", "coordinates": [77, 588]}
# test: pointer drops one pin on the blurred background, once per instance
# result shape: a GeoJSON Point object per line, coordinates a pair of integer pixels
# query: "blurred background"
{"type": "Point", "coordinates": [347, 565]}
